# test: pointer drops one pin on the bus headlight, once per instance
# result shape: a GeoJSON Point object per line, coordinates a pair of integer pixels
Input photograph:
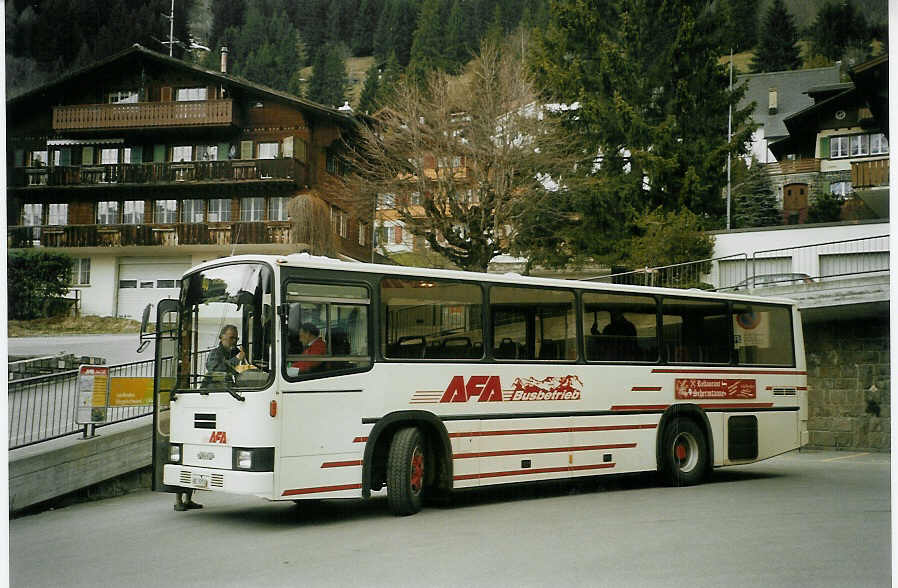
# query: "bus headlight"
{"type": "Point", "coordinates": [253, 459]}
{"type": "Point", "coordinates": [174, 453]}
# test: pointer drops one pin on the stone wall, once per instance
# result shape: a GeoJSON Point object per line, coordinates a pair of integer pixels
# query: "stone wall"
{"type": "Point", "coordinates": [848, 381]}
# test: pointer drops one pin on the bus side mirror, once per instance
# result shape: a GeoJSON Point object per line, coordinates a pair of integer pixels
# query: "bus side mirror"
{"type": "Point", "coordinates": [144, 338]}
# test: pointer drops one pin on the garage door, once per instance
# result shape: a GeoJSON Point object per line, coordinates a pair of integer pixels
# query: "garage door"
{"type": "Point", "coordinates": [143, 280]}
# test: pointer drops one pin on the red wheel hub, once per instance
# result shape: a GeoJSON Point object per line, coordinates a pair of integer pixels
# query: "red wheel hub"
{"type": "Point", "coordinates": [680, 451]}
{"type": "Point", "coordinates": [417, 478]}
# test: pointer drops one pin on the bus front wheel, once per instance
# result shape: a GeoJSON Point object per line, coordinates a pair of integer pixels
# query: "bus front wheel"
{"type": "Point", "coordinates": [684, 453]}
{"type": "Point", "coordinates": [405, 471]}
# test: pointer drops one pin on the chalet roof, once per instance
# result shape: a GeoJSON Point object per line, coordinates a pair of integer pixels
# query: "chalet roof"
{"type": "Point", "coordinates": [792, 88]}
{"type": "Point", "coordinates": [138, 50]}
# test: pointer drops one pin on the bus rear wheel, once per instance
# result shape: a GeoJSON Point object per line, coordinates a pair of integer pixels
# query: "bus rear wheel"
{"type": "Point", "coordinates": [405, 471]}
{"type": "Point", "coordinates": [684, 453]}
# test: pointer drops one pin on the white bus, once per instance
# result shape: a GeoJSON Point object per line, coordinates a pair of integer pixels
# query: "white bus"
{"type": "Point", "coordinates": [359, 377]}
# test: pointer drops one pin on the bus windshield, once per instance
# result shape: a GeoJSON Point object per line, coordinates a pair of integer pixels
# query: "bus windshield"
{"type": "Point", "coordinates": [227, 328]}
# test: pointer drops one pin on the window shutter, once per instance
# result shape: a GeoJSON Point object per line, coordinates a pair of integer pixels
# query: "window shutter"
{"type": "Point", "coordinates": [302, 153]}
{"type": "Point", "coordinates": [87, 156]}
{"type": "Point", "coordinates": [398, 234]}
{"type": "Point", "coordinates": [20, 158]}
{"type": "Point", "coordinates": [158, 153]}
{"type": "Point", "coordinates": [246, 149]}
{"type": "Point", "coordinates": [137, 154]}
{"type": "Point", "coordinates": [824, 148]}
{"type": "Point", "coordinates": [223, 149]}
{"type": "Point", "coordinates": [287, 149]}
{"type": "Point", "coordinates": [166, 93]}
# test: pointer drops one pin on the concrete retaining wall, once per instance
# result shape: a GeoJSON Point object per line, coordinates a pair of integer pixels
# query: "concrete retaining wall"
{"type": "Point", "coordinates": [55, 468]}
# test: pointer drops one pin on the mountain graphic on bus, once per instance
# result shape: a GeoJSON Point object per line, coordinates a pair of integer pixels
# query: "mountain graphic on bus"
{"type": "Point", "coordinates": [551, 388]}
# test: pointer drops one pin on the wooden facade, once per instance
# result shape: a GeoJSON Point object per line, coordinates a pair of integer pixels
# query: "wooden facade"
{"type": "Point", "coordinates": [141, 133]}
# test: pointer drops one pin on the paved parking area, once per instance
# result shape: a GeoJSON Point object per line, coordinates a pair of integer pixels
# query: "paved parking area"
{"type": "Point", "coordinates": [801, 519]}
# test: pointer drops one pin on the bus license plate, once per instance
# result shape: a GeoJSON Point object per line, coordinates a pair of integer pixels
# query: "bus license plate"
{"type": "Point", "coordinates": [199, 481]}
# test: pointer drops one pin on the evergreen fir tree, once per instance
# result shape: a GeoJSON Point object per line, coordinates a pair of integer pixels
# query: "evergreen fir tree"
{"type": "Point", "coordinates": [390, 78]}
{"type": "Point", "coordinates": [456, 53]}
{"type": "Point", "coordinates": [754, 199]}
{"type": "Point", "coordinates": [363, 32]}
{"type": "Point", "coordinates": [429, 44]}
{"type": "Point", "coordinates": [329, 81]}
{"type": "Point", "coordinates": [838, 27]}
{"type": "Point", "coordinates": [368, 98]}
{"type": "Point", "coordinates": [652, 113]}
{"type": "Point", "coordinates": [739, 30]}
{"type": "Point", "coordinates": [777, 49]}
{"type": "Point", "coordinates": [395, 30]}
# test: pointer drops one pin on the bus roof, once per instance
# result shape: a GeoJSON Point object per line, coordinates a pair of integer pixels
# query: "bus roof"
{"type": "Point", "coordinates": [304, 260]}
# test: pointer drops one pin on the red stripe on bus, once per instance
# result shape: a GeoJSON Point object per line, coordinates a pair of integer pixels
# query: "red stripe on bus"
{"type": "Point", "coordinates": [544, 450]}
{"type": "Point", "coordinates": [737, 372]}
{"type": "Point", "coordinates": [297, 491]}
{"type": "Point", "coordinates": [739, 405]}
{"type": "Point", "coordinates": [597, 466]}
{"type": "Point", "coordinates": [551, 430]}
{"type": "Point", "coordinates": [341, 464]}
{"type": "Point", "coordinates": [645, 389]}
{"type": "Point", "coordinates": [640, 407]}
{"type": "Point", "coordinates": [360, 440]}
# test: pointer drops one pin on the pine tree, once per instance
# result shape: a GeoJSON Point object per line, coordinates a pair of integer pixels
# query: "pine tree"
{"type": "Point", "coordinates": [838, 27]}
{"type": "Point", "coordinates": [363, 32]}
{"type": "Point", "coordinates": [754, 199]}
{"type": "Point", "coordinates": [652, 113]}
{"type": "Point", "coordinates": [457, 52]}
{"type": "Point", "coordinates": [429, 44]}
{"type": "Point", "coordinates": [739, 30]}
{"type": "Point", "coordinates": [329, 81]}
{"type": "Point", "coordinates": [368, 98]}
{"type": "Point", "coordinates": [390, 78]}
{"type": "Point", "coordinates": [777, 49]}
{"type": "Point", "coordinates": [395, 30]}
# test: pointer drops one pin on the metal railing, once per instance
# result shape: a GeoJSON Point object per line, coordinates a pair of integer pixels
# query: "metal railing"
{"type": "Point", "coordinates": [45, 407]}
{"type": "Point", "coordinates": [803, 264]}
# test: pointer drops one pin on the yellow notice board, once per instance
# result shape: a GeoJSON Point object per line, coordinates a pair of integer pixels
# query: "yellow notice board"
{"type": "Point", "coordinates": [93, 389]}
{"type": "Point", "coordinates": [135, 391]}
{"type": "Point", "coordinates": [130, 391]}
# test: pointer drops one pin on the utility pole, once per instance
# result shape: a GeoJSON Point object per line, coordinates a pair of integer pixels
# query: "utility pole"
{"type": "Point", "coordinates": [729, 138]}
{"type": "Point", "coordinates": [171, 29]}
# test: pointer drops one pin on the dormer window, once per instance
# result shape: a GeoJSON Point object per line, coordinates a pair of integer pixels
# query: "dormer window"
{"type": "Point", "coordinates": [122, 97]}
{"type": "Point", "coordinates": [191, 94]}
{"type": "Point", "coordinates": [772, 100]}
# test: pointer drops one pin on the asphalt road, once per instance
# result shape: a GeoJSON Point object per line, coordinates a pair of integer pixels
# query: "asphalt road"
{"type": "Point", "coordinates": [115, 348]}
{"type": "Point", "coordinates": [809, 519]}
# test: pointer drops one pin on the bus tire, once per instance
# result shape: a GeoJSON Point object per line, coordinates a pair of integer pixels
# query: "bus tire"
{"type": "Point", "coordinates": [406, 471]}
{"type": "Point", "coordinates": [685, 460]}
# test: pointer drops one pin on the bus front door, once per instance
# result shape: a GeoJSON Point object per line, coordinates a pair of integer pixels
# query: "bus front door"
{"type": "Point", "coordinates": [165, 372]}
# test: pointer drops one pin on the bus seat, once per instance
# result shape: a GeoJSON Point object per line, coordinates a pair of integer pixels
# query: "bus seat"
{"type": "Point", "coordinates": [456, 347]}
{"type": "Point", "coordinates": [339, 341]}
{"type": "Point", "coordinates": [550, 349]}
{"type": "Point", "coordinates": [408, 347]}
{"type": "Point", "coordinates": [507, 349]}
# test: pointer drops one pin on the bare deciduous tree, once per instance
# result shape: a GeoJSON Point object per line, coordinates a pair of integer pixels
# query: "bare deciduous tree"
{"type": "Point", "coordinates": [465, 161]}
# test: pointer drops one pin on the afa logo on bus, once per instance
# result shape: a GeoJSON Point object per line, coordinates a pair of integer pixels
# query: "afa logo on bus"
{"type": "Point", "coordinates": [489, 389]}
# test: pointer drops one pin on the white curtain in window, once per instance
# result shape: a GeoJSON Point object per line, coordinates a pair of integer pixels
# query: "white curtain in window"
{"type": "Point", "coordinates": [166, 211]}
{"type": "Point", "coordinates": [132, 212]}
{"type": "Point", "coordinates": [251, 209]}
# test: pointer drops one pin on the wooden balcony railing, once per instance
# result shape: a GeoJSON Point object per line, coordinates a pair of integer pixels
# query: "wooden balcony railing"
{"type": "Point", "coordinates": [167, 235]}
{"type": "Point", "coordinates": [793, 166]}
{"type": "Point", "coordinates": [232, 170]}
{"type": "Point", "coordinates": [143, 115]}
{"type": "Point", "coordinates": [870, 174]}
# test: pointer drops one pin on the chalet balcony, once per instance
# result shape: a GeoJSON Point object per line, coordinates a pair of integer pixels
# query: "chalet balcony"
{"type": "Point", "coordinates": [793, 166]}
{"type": "Point", "coordinates": [143, 115]}
{"type": "Point", "coordinates": [168, 235]}
{"type": "Point", "coordinates": [231, 170]}
{"type": "Point", "coordinates": [870, 174]}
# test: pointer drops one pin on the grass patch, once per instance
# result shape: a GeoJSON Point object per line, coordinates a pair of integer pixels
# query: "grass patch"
{"type": "Point", "coordinates": [69, 325]}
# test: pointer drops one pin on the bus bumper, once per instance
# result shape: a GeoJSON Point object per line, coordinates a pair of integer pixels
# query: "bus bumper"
{"type": "Point", "coordinates": [234, 482]}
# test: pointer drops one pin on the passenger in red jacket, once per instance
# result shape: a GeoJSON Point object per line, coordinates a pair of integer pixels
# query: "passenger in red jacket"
{"type": "Point", "coordinates": [314, 345]}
